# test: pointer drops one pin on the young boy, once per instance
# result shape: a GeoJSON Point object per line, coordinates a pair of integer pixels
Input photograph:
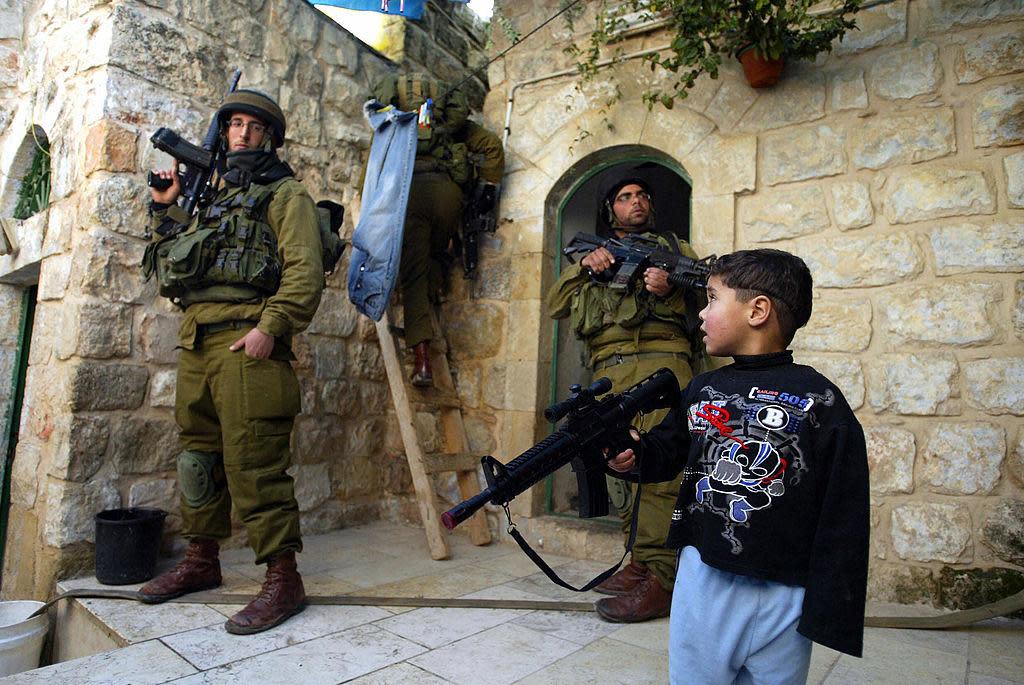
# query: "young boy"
{"type": "Point", "coordinates": [772, 513]}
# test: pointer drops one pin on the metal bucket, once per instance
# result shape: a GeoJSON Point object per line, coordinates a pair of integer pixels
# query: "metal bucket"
{"type": "Point", "coordinates": [21, 637]}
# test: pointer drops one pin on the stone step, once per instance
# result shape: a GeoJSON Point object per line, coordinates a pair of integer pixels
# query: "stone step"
{"type": "Point", "coordinates": [153, 659]}
{"type": "Point", "coordinates": [570, 536]}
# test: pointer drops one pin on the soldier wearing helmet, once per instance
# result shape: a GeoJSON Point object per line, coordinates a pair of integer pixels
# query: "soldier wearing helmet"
{"type": "Point", "coordinates": [256, 281]}
{"type": "Point", "coordinates": [630, 335]}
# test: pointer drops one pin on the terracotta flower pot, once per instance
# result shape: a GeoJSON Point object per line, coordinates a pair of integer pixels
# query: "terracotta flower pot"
{"type": "Point", "coordinates": [760, 72]}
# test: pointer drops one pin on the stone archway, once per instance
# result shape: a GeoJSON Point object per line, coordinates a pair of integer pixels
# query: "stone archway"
{"type": "Point", "coordinates": [547, 157]}
{"type": "Point", "coordinates": [578, 212]}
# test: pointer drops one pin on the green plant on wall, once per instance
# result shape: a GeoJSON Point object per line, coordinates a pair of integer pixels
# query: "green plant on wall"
{"type": "Point", "coordinates": [34, 193]}
{"type": "Point", "coordinates": [703, 31]}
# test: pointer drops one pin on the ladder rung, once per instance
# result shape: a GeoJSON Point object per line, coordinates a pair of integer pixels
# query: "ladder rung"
{"type": "Point", "coordinates": [437, 399]}
{"type": "Point", "coordinates": [441, 462]}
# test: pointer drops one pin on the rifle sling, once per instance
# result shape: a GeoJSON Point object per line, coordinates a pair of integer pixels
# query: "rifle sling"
{"type": "Point", "coordinates": [554, 577]}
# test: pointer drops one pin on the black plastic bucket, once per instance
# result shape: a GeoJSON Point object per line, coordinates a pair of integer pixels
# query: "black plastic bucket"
{"type": "Point", "coordinates": [127, 544]}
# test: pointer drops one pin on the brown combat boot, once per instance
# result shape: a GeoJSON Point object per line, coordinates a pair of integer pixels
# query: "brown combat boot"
{"type": "Point", "coordinates": [623, 582]}
{"type": "Point", "coordinates": [281, 597]}
{"type": "Point", "coordinates": [421, 374]}
{"type": "Point", "coordinates": [199, 570]}
{"type": "Point", "coordinates": [647, 601]}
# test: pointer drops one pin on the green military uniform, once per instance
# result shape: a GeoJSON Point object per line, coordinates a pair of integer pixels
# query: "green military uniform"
{"type": "Point", "coordinates": [434, 217]}
{"type": "Point", "coordinates": [630, 335]}
{"type": "Point", "coordinates": [236, 413]}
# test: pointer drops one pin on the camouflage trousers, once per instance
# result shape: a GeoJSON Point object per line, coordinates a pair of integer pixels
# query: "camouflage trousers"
{"type": "Point", "coordinates": [432, 219]}
{"type": "Point", "coordinates": [657, 500]}
{"type": "Point", "coordinates": [242, 409]}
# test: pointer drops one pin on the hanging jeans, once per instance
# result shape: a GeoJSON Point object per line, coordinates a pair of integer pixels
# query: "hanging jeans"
{"type": "Point", "coordinates": [377, 240]}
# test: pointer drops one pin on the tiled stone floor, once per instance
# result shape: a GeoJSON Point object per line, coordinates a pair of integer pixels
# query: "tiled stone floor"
{"type": "Point", "coordinates": [186, 644]}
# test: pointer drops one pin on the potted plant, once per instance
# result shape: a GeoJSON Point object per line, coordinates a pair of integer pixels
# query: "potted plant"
{"type": "Point", "coordinates": [762, 34]}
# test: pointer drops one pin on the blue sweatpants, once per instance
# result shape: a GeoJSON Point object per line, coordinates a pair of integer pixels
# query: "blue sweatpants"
{"type": "Point", "coordinates": [726, 628]}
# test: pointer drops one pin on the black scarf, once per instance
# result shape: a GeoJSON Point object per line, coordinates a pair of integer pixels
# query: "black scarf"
{"type": "Point", "coordinates": [254, 166]}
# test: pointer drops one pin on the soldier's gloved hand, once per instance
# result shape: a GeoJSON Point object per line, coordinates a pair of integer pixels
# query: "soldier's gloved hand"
{"type": "Point", "coordinates": [599, 260]}
{"type": "Point", "coordinates": [169, 196]}
{"type": "Point", "coordinates": [256, 344]}
{"type": "Point", "coordinates": [488, 196]}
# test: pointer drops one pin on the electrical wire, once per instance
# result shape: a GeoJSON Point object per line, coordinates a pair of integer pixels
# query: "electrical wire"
{"type": "Point", "coordinates": [518, 42]}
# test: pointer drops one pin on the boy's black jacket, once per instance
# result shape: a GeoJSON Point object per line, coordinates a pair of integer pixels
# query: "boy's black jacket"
{"type": "Point", "coordinates": [775, 486]}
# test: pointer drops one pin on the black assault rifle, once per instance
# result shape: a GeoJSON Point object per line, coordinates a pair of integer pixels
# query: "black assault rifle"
{"type": "Point", "coordinates": [634, 254]}
{"type": "Point", "coordinates": [475, 221]}
{"type": "Point", "coordinates": [590, 426]}
{"type": "Point", "coordinates": [199, 162]}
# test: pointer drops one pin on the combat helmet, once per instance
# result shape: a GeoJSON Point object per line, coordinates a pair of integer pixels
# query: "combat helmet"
{"type": "Point", "coordinates": [257, 104]}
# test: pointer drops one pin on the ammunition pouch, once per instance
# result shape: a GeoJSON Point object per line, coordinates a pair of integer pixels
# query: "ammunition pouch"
{"type": "Point", "coordinates": [200, 475]}
{"type": "Point", "coordinates": [454, 159]}
{"type": "Point", "coordinates": [448, 157]}
{"type": "Point", "coordinates": [229, 253]}
{"type": "Point", "coordinates": [330, 216]}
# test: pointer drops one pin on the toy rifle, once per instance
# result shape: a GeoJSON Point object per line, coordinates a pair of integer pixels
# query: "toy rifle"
{"type": "Point", "coordinates": [590, 426]}
{"type": "Point", "coordinates": [594, 431]}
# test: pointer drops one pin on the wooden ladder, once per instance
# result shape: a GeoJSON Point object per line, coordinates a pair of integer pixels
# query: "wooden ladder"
{"type": "Point", "coordinates": [455, 457]}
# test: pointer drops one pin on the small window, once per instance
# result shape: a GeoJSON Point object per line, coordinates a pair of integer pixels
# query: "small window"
{"type": "Point", "coordinates": [34, 191]}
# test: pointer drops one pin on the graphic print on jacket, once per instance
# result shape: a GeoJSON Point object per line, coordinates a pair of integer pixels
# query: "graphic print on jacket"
{"type": "Point", "coordinates": [750, 451]}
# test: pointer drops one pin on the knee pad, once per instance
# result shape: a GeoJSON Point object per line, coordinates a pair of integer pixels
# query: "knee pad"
{"type": "Point", "coordinates": [198, 476]}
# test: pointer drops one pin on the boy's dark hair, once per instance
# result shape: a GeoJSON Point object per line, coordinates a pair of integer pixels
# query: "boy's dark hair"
{"type": "Point", "coordinates": [782, 277]}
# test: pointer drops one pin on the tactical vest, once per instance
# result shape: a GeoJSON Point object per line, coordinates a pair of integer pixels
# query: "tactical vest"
{"type": "Point", "coordinates": [436, 147]}
{"type": "Point", "coordinates": [596, 307]}
{"type": "Point", "coordinates": [227, 254]}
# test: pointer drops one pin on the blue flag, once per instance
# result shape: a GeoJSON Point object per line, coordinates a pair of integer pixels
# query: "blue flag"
{"type": "Point", "coordinates": [412, 9]}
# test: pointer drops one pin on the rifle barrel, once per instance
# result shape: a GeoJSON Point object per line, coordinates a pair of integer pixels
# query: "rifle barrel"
{"type": "Point", "coordinates": [462, 511]}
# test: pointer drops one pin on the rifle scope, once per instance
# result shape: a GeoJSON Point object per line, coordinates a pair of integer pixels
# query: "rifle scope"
{"type": "Point", "coordinates": [556, 412]}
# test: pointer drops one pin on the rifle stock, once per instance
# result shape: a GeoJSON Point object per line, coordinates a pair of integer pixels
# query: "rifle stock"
{"type": "Point", "coordinates": [590, 426]}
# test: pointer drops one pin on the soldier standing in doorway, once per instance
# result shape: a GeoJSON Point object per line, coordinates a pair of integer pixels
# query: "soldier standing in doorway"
{"type": "Point", "coordinates": [629, 335]}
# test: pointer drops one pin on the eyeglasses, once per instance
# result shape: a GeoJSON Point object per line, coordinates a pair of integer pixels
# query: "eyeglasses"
{"type": "Point", "coordinates": [254, 126]}
{"type": "Point", "coordinates": [628, 197]}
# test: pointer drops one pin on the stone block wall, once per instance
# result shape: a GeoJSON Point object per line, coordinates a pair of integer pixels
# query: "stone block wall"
{"type": "Point", "coordinates": [98, 431]}
{"type": "Point", "coordinates": [445, 41]}
{"type": "Point", "coordinates": [894, 166]}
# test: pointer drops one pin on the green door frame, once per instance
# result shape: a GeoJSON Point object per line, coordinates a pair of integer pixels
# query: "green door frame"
{"type": "Point", "coordinates": [553, 389]}
{"type": "Point", "coordinates": [13, 423]}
